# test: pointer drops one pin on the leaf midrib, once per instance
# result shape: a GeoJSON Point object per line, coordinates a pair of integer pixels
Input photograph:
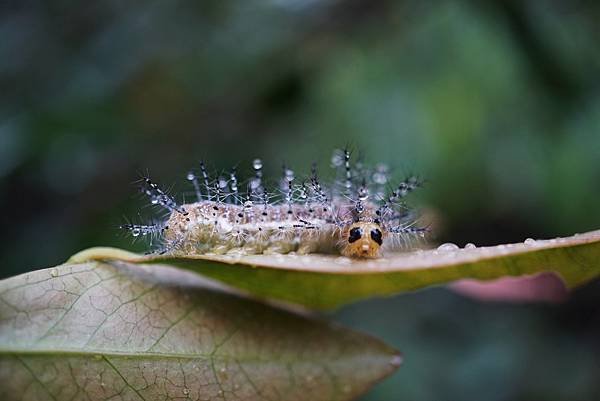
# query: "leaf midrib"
{"type": "Point", "coordinates": [100, 354]}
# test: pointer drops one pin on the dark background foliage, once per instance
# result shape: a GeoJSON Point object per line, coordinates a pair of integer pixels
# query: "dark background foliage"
{"type": "Point", "coordinates": [497, 103]}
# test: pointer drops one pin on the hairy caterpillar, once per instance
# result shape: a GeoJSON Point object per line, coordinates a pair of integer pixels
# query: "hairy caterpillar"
{"type": "Point", "coordinates": [356, 216]}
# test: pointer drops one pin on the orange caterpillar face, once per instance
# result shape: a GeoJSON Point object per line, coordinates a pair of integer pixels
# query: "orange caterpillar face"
{"type": "Point", "coordinates": [362, 240]}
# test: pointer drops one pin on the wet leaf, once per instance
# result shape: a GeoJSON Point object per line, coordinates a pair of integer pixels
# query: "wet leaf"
{"type": "Point", "coordinates": [117, 331]}
{"type": "Point", "coordinates": [326, 281]}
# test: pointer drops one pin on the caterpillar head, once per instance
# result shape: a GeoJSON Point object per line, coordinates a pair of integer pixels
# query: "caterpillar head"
{"type": "Point", "coordinates": [362, 240]}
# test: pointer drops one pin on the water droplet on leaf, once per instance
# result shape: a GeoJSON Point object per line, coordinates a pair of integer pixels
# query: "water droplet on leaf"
{"type": "Point", "coordinates": [448, 246]}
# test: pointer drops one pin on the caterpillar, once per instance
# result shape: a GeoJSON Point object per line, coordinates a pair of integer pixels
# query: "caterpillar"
{"type": "Point", "coordinates": [358, 215]}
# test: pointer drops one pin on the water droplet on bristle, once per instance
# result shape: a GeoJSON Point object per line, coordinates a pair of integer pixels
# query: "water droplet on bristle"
{"type": "Point", "coordinates": [254, 183]}
{"type": "Point", "coordinates": [529, 241]}
{"type": "Point", "coordinates": [470, 245]}
{"type": "Point", "coordinates": [337, 159]}
{"type": "Point", "coordinates": [257, 164]}
{"type": "Point", "coordinates": [381, 174]}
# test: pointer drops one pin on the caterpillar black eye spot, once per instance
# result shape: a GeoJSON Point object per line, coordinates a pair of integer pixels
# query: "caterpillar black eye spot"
{"type": "Point", "coordinates": [355, 234]}
{"type": "Point", "coordinates": [376, 236]}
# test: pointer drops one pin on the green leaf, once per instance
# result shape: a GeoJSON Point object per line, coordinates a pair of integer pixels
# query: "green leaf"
{"type": "Point", "coordinates": [326, 281]}
{"type": "Point", "coordinates": [117, 331]}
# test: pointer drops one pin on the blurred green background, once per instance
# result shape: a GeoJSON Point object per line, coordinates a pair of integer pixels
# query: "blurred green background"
{"type": "Point", "coordinates": [496, 103]}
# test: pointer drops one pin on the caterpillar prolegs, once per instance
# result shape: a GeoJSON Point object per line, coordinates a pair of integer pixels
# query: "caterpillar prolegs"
{"type": "Point", "coordinates": [358, 215]}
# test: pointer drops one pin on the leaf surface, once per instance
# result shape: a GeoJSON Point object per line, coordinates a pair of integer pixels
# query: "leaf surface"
{"type": "Point", "coordinates": [117, 331]}
{"type": "Point", "coordinates": [328, 281]}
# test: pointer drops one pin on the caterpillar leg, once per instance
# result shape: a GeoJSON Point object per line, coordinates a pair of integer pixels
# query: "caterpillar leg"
{"type": "Point", "coordinates": [280, 247]}
{"type": "Point", "coordinates": [308, 246]}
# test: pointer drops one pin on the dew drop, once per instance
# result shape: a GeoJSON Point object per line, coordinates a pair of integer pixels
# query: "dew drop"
{"type": "Point", "coordinates": [257, 164]}
{"type": "Point", "coordinates": [379, 178]}
{"type": "Point", "coordinates": [396, 360]}
{"type": "Point", "coordinates": [254, 183]}
{"type": "Point", "coordinates": [54, 272]}
{"type": "Point", "coordinates": [448, 246]}
{"type": "Point", "coordinates": [529, 241]}
{"type": "Point", "coordinates": [337, 159]}
{"type": "Point", "coordinates": [289, 175]}
{"type": "Point", "coordinates": [381, 174]}
{"type": "Point", "coordinates": [470, 245]}
{"type": "Point", "coordinates": [191, 176]}
{"type": "Point", "coordinates": [502, 249]}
